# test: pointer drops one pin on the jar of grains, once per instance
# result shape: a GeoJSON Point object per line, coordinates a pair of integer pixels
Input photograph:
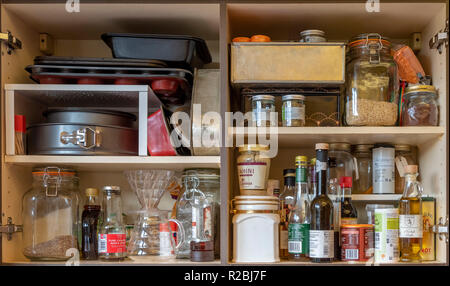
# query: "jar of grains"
{"type": "Point", "coordinates": [263, 107]}
{"type": "Point", "coordinates": [253, 169]}
{"type": "Point", "coordinates": [403, 158]}
{"type": "Point", "coordinates": [421, 108]}
{"type": "Point", "coordinates": [50, 213]}
{"type": "Point", "coordinates": [293, 110]}
{"type": "Point", "coordinates": [371, 82]}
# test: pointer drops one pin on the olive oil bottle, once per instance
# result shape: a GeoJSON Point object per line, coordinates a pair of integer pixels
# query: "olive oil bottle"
{"type": "Point", "coordinates": [410, 217]}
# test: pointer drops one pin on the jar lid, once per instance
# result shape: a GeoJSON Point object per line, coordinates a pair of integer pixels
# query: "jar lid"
{"type": "Point", "coordinates": [255, 198]}
{"type": "Point", "coordinates": [53, 171]}
{"type": "Point", "coordinates": [420, 88]}
{"type": "Point", "coordinates": [362, 147]}
{"type": "Point", "coordinates": [341, 146]}
{"type": "Point", "coordinates": [293, 97]}
{"type": "Point", "coordinates": [253, 147]}
{"type": "Point", "coordinates": [111, 189]}
{"type": "Point", "coordinates": [402, 147]}
{"type": "Point", "coordinates": [305, 33]}
{"type": "Point", "coordinates": [383, 145]}
{"type": "Point", "coordinates": [91, 192]}
{"type": "Point", "coordinates": [364, 39]}
{"type": "Point", "coordinates": [263, 97]}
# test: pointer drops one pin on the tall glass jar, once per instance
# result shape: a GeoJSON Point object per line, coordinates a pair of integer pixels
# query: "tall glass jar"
{"type": "Point", "coordinates": [363, 173]}
{"type": "Point", "coordinates": [50, 212]}
{"type": "Point", "coordinates": [263, 109]}
{"type": "Point", "coordinates": [344, 165]}
{"type": "Point", "coordinates": [420, 108]}
{"type": "Point", "coordinates": [371, 82]}
{"type": "Point", "coordinates": [403, 158]}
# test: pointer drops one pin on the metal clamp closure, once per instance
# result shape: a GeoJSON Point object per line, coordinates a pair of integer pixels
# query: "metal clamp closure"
{"type": "Point", "coordinates": [11, 42]}
{"type": "Point", "coordinates": [46, 177]}
{"type": "Point", "coordinates": [441, 229]}
{"type": "Point", "coordinates": [10, 228]}
{"type": "Point", "coordinates": [374, 48]}
{"type": "Point", "coordinates": [86, 138]}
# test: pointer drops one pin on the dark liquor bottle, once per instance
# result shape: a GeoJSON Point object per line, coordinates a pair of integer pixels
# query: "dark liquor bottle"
{"type": "Point", "coordinates": [349, 215]}
{"type": "Point", "coordinates": [89, 222]}
{"type": "Point", "coordinates": [321, 235]}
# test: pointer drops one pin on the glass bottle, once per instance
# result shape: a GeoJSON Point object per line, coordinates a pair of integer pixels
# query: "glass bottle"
{"type": "Point", "coordinates": [299, 218]}
{"type": "Point", "coordinates": [410, 217]}
{"type": "Point", "coordinates": [334, 191]}
{"type": "Point", "coordinates": [89, 223]}
{"type": "Point", "coordinates": [112, 236]}
{"type": "Point", "coordinates": [287, 201]}
{"type": "Point", "coordinates": [321, 235]}
{"type": "Point", "coordinates": [349, 215]}
{"type": "Point", "coordinates": [312, 179]}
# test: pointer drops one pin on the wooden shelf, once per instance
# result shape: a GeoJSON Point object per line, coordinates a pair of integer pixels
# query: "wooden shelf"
{"type": "Point", "coordinates": [148, 261]}
{"type": "Point", "coordinates": [308, 136]}
{"type": "Point", "coordinates": [117, 163]}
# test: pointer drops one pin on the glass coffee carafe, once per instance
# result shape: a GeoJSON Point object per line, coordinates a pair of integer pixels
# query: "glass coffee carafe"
{"type": "Point", "coordinates": [152, 234]}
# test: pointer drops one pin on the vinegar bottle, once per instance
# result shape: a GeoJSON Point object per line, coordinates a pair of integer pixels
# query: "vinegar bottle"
{"type": "Point", "coordinates": [410, 217]}
{"type": "Point", "coordinates": [321, 235]}
{"type": "Point", "coordinates": [89, 224]}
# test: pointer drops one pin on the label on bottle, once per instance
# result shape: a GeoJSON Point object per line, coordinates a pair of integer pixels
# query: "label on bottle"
{"type": "Point", "coordinates": [165, 247]}
{"type": "Point", "coordinates": [410, 226]}
{"type": "Point", "coordinates": [298, 240]}
{"type": "Point", "coordinates": [401, 163]}
{"type": "Point", "coordinates": [300, 176]}
{"type": "Point", "coordinates": [349, 220]}
{"type": "Point", "coordinates": [283, 239]}
{"type": "Point", "coordinates": [207, 222]}
{"type": "Point", "coordinates": [321, 243]}
{"type": "Point", "coordinates": [112, 243]}
{"type": "Point", "coordinates": [321, 166]}
{"type": "Point", "coordinates": [290, 113]}
{"type": "Point", "coordinates": [252, 176]}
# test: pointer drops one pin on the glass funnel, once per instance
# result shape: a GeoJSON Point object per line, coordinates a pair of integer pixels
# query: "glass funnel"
{"type": "Point", "coordinates": [151, 234]}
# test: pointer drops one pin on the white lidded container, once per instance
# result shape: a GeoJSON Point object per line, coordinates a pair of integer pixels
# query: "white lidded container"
{"type": "Point", "coordinates": [386, 235]}
{"type": "Point", "coordinates": [255, 229]}
{"type": "Point", "coordinates": [383, 160]}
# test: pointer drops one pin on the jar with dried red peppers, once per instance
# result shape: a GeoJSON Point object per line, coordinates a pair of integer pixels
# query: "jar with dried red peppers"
{"type": "Point", "coordinates": [420, 107]}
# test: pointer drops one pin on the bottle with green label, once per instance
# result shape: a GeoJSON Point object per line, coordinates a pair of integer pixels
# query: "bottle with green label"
{"type": "Point", "coordinates": [299, 218]}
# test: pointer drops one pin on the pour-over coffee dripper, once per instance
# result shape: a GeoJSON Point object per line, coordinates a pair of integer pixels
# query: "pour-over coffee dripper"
{"type": "Point", "coordinates": [151, 234]}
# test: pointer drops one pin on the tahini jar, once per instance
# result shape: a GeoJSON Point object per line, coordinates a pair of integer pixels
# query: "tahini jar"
{"type": "Point", "coordinates": [253, 169]}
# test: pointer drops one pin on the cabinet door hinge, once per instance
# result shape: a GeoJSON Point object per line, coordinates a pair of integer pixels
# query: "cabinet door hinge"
{"type": "Point", "coordinates": [441, 229]}
{"type": "Point", "coordinates": [9, 229]}
{"type": "Point", "coordinates": [440, 39]}
{"type": "Point", "coordinates": [11, 42]}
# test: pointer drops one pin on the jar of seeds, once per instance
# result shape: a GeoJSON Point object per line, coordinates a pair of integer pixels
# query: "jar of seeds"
{"type": "Point", "coordinates": [293, 110]}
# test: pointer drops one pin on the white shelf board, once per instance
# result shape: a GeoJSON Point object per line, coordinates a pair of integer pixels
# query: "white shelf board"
{"type": "Point", "coordinates": [308, 136]}
{"type": "Point", "coordinates": [117, 163]}
{"type": "Point", "coordinates": [376, 197]}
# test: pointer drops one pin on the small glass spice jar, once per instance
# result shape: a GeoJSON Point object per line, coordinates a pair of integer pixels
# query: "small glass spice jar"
{"type": "Point", "coordinates": [262, 107]}
{"type": "Point", "coordinates": [293, 110]}
{"type": "Point", "coordinates": [312, 36]}
{"type": "Point", "coordinates": [421, 108]}
{"type": "Point", "coordinates": [253, 169]}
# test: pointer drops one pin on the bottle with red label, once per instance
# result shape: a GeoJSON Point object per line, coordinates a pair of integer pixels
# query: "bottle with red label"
{"type": "Point", "coordinates": [112, 235]}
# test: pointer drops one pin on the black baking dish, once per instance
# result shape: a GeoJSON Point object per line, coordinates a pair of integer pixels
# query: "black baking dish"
{"type": "Point", "coordinates": [175, 50]}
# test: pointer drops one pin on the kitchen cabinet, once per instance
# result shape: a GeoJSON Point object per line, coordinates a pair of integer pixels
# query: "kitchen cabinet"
{"type": "Point", "coordinates": [78, 34]}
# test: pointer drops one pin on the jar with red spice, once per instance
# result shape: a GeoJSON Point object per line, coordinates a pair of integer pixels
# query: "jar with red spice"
{"type": "Point", "coordinates": [420, 107]}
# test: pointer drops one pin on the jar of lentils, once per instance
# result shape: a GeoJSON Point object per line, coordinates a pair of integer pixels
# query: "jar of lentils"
{"type": "Point", "coordinates": [293, 110]}
{"type": "Point", "coordinates": [263, 108]}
